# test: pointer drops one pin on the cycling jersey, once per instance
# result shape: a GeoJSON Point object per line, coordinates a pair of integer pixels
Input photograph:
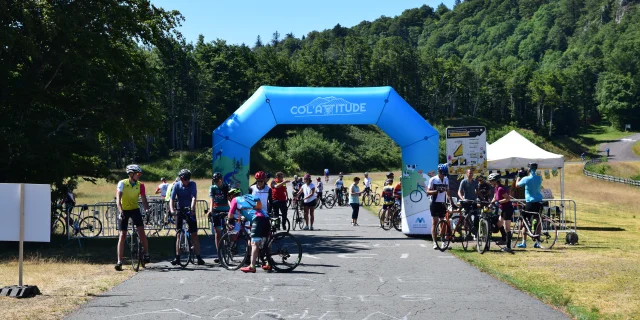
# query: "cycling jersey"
{"type": "Point", "coordinates": [319, 187]}
{"type": "Point", "coordinates": [130, 193]}
{"type": "Point", "coordinates": [397, 191]}
{"type": "Point", "coordinates": [249, 206]}
{"type": "Point", "coordinates": [326, 172]}
{"type": "Point", "coordinates": [387, 195]}
{"type": "Point", "coordinates": [278, 193]}
{"type": "Point", "coordinates": [264, 194]}
{"type": "Point", "coordinates": [167, 197]}
{"type": "Point", "coordinates": [219, 195]}
{"type": "Point", "coordinates": [367, 182]}
{"type": "Point", "coordinates": [184, 194]}
{"type": "Point", "coordinates": [163, 189]}
{"type": "Point", "coordinates": [532, 184]}
{"type": "Point", "coordinates": [434, 184]}
{"type": "Point", "coordinates": [339, 184]}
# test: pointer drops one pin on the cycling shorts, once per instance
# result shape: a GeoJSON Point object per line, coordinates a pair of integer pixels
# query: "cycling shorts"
{"type": "Point", "coordinates": [135, 215]}
{"type": "Point", "coordinates": [531, 207]}
{"type": "Point", "coordinates": [438, 209]}
{"type": "Point", "coordinates": [260, 229]}
{"type": "Point", "coordinates": [218, 219]}
{"type": "Point", "coordinates": [191, 221]}
{"type": "Point", "coordinates": [507, 213]}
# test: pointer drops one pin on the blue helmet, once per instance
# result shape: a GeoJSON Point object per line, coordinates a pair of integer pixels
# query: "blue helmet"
{"type": "Point", "coordinates": [443, 168]}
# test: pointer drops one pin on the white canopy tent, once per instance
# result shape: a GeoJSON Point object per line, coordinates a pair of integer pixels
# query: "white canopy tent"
{"type": "Point", "coordinates": [515, 151]}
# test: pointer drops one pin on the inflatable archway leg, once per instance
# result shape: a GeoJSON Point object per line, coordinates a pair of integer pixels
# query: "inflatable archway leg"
{"type": "Point", "coordinates": [232, 160]}
{"type": "Point", "coordinates": [416, 165]}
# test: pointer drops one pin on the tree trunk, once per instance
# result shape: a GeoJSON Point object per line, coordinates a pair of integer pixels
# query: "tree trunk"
{"type": "Point", "coordinates": [550, 121]}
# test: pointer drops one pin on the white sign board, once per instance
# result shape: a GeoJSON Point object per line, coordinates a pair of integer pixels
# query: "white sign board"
{"type": "Point", "coordinates": [466, 148]}
{"type": "Point", "coordinates": [37, 212]}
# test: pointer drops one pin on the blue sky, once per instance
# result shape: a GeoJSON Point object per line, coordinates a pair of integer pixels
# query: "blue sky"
{"type": "Point", "coordinates": [241, 21]}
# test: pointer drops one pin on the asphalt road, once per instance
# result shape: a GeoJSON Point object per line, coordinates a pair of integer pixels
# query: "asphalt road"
{"type": "Point", "coordinates": [347, 272]}
{"type": "Point", "coordinates": [621, 150]}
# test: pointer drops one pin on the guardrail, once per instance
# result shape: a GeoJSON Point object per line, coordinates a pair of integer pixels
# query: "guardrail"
{"type": "Point", "coordinates": [607, 177]}
{"type": "Point", "coordinates": [101, 220]}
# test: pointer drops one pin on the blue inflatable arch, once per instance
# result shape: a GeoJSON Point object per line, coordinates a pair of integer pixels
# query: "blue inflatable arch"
{"type": "Point", "coordinates": [382, 106]}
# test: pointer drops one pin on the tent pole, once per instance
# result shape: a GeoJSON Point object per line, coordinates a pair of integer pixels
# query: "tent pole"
{"type": "Point", "coordinates": [562, 184]}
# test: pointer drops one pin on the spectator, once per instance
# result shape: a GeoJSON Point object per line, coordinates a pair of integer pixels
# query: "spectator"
{"type": "Point", "coordinates": [354, 200]}
{"type": "Point", "coordinates": [162, 188]}
{"type": "Point", "coordinates": [308, 190]}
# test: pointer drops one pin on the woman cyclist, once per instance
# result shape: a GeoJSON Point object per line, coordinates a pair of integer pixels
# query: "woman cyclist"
{"type": "Point", "coordinates": [502, 198]}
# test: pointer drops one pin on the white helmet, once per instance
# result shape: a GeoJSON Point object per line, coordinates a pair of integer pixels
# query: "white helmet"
{"type": "Point", "coordinates": [133, 168]}
{"type": "Point", "coordinates": [493, 177]}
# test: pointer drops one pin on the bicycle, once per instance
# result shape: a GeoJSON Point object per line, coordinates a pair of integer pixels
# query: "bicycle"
{"type": "Point", "coordinates": [487, 225]}
{"type": "Point", "coordinates": [541, 227]}
{"type": "Point", "coordinates": [329, 200]}
{"type": "Point", "coordinates": [396, 218]}
{"type": "Point", "coordinates": [282, 251]}
{"type": "Point", "coordinates": [88, 227]}
{"type": "Point", "coordinates": [185, 248]}
{"type": "Point", "coordinates": [371, 197]}
{"type": "Point", "coordinates": [298, 212]}
{"type": "Point", "coordinates": [417, 194]}
{"type": "Point", "coordinates": [135, 247]}
{"type": "Point", "coordinates": [276, 224]}
{"type": "Point", "coordinates": [453, 229]}
{"type": "Point", "coordinates": [393, 218]}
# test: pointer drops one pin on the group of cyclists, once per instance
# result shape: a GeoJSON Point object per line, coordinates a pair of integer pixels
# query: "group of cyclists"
{"type": "Point", "coordinates": [263, 199]}
{"type": "Point", "coordinates": [478, 189]}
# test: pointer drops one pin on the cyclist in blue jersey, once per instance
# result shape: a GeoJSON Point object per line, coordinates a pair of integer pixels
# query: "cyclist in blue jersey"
{"type": "Point", "coordinates": [250, 207]}
{"type": "Point", "coordinates": [326, 175]}
{"type": "Point", "coordinates": [185, 193]}
{"type": "Point", "coordinates": [533, 198]}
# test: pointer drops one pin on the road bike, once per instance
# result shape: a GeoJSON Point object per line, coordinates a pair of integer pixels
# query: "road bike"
{"type": "Point", "coordinates": [329, 199]}
{"type": "Point", "coordinates": [298, 212]}
{"type": "Point", "coordinates": [89, 226]}
{"type": "Point", "coordinates": [454, 227]}
{"type": "Point", "coordinates": [416, 195]}
{"type": "Point", "coordinates": [371, 196]}
{"type": "Point", "coordinates": [135, 247]}
{"type": "Point", "coordinates": [393, 218]}
{"type": "Point", "coordinates": [537, 226]}
{"type": "Point", "coordinates": [276, 224]}
{"type": "Point", "coordinates": [183, 238]}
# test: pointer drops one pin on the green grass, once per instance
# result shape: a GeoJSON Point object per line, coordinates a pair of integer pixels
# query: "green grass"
{"type": "Point", "coordinates": [636, 148]}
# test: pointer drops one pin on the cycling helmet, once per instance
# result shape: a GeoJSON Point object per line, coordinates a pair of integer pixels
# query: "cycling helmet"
{"type": "Point", "coordinates": [133, 168]}
{"type": "Point", "coordinates": [217, 175]}
{"type": "Point", "coordinates": [260, 175]}
{"type": "Point", "coordinates": [163, 179]}
{"type": "Point", "coordinates": [318, 179]}
{"type": "Point", "coordinates": [533, 166]}
{"type": "Point", "coordinates": [185, 174]}
{"type": "Point", "coordinates": [388, 182]}
{"type": "Point", "coordinates": [295, 177]}
{"type": "Point", "coordinates": [233, 192]}
{"type": "Point", "coordinates": [493, 177]}
{"type": "Point", "coordinates": [366, 174]}
{"type": "Point", "coordinates": [443, 168]}
{"type": "Point", "coordinates": [341, 174]}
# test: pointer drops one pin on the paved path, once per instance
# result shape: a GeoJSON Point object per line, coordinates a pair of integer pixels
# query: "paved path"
{"type": "Point", "coordinates": [346, 273]}
{"type": "Point", "coordinates": [621, 150]}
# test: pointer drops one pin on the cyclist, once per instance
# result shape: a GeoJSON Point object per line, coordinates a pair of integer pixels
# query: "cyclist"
{"type": "Point", "coordinates": [319, 187]}
{"type": "Point", "coordinates": [185, 192]}
{"type": "Point", "coordinates": [261, 190]}
{"type": "Point", "coordinates": [167, 197]}
{"type": "Point", "coordinates": [501, 198]}
{"type": "Point", "coordinates": [484, 189]}
{"type": "Point", "coordinates": [533, 198]}
{"type": "Point", "coordinates": [468, 190]}
{"type": "Point", "coordinates": [367, 185]}
{"type": "Point", "coordinates": [397, 192]}
{"type": "Point", "coordinates": [326, 175]}
{"type": "Point", "coordinates": [162, 187]}
{"type": "Point", "coordinates": [308, 192]}
{"type": "Point", "coordinates": [339, 185]}
{"type": "Point", "coordinates": [219, 206]}
{"type": "Point", "coordinates": [438, 189]}
{"type": "Point", "coordinates": [250, 207]}
{"type": "Point", "coordinates": [279, 198]}
{"type": "Point", "coordinates": [387, 198]}
{"type": "Point", "coordinates": [296, 186]}
{"type": "Point", "coordinates": [128, 191]}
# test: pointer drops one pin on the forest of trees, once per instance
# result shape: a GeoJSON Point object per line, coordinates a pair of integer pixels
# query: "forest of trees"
{"type": "Point", "coordinates": [86, 86]}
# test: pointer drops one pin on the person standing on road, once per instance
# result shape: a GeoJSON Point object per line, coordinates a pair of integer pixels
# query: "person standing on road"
{"type": "Point", "coordinates": [308, 189]}
{"type": "Point", "coordinates": [219, 207]}
{"type": "Point", "coordinates": [319, 187]}
{"type": "Point", "coordinates": [354, 200]}
{"type": "Point", "coordinates": [261, 190]}
{"type": "Point", "coordinates": [438, 189]}
{"type": "Point", "coordinates": [326, 175]}
{"type": "Point", "coordinates": [162, 188]}
{"type": "Point", "coordinates": [387, 198]}
{"type": "Point", "coordinates": [279, 198]}
{"type": "Point", "coordinates": [338, 188]}
{"type": "Point", "coordinates": [533, 198]}
{"type": "Point", "coordinates": [127, 193]}
{"type": "Point", "coordinates": [183, 199]}
{"type": "Point", "coordinates": [607, 152]}
{"type": "Point", "coordinates": [367, 185]}
{"type": "Point", "coordinates": [501, 198]}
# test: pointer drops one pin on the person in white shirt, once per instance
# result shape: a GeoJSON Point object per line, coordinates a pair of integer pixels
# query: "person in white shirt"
{"type": "Point", "coordinates": [367, 185]}
{"type": "Point", "coordinates": [261, 190]}
{"type": "Point", "coordinates": [438, 189]}
{"type": "Point", "coordinates": [338, 190]}
{"type": "Point", "coordinates": [162, 187]}
{"type": "Point", "coordinates": [310, 198]}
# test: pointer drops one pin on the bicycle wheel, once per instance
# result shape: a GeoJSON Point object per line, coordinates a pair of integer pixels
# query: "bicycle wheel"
{"type": "Point", "coordinates": [516, 232]}
{"type": "Point", "coordinates": [442, 238]}
{"type": "Point", "coordinates": [385, 223]}
{"type": "Point", "coordinates": [482, 242]}
{"type": "Point", "coordinates": [466, 233]}
{"type": "Point", "coordinates": [329, 201]}
{"type": "Point", "coordinates": [184, 248]}
{"type": "Point", "coordinates": [58, 227]}
{"type": "Point", "coordinates": [299, 219]}
{"type": "Point", "coordinates": [549, 234]}
{"type": "Point", "coordinates": [415, 196]}
{"type": "Point", "coordinates": [284, 252]}
{"type": "Point", "coordinates": [287, 225]}
{"type": "Point", "coordinates": [377, 199]}
{"type": "Point", "coordinates": [133, 248]}
{"type": "Point", "coordinates": [90, 227]}
{"type": "Point", "coordinates": [397, 219]}
{"type": "Point", "coordinates": [366, 199]}
{"type": "Point", "coordinates": [233, 250]}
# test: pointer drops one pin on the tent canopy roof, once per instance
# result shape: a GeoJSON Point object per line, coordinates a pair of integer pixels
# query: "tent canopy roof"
{"type": "Point", "coordinates": [515, 151]}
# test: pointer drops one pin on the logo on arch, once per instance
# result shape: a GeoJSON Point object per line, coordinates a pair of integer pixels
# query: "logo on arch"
{"type": "Point", "coordinates": [328, 106]}
{"type": "Point", "coordinates": [420, 222]}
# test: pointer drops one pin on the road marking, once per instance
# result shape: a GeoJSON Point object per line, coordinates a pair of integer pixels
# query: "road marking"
{"type": "Point", "coordinates": [166, 311]}
{"type": "Point", "coordinates": [181, 281]}
{"type": "Point", "coordinates": [404, 256]}
{"type": "Point", "coordinates": [627, 139]}
{"type": "Point", "coordinates": [357, 255]}
{"type": "Point", "coordinates": [445, 257]}
{"type": "Point", "coordinates": [310, 256]}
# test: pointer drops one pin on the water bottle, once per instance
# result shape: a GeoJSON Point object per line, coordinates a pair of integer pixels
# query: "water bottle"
{"type": "Point", "coordinates": [533, 225]}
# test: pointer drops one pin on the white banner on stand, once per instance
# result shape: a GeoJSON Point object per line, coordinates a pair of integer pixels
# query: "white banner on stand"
{"type": "Point", "coordinates": [37, 212]}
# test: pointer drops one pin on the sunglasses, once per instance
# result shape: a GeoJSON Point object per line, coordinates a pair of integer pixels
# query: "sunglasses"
{"type": "Point", "coordinates": [259, 180]}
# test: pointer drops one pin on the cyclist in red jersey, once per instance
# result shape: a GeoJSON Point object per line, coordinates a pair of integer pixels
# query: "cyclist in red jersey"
{"type": "Point", "coordinates": [279, 197]}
